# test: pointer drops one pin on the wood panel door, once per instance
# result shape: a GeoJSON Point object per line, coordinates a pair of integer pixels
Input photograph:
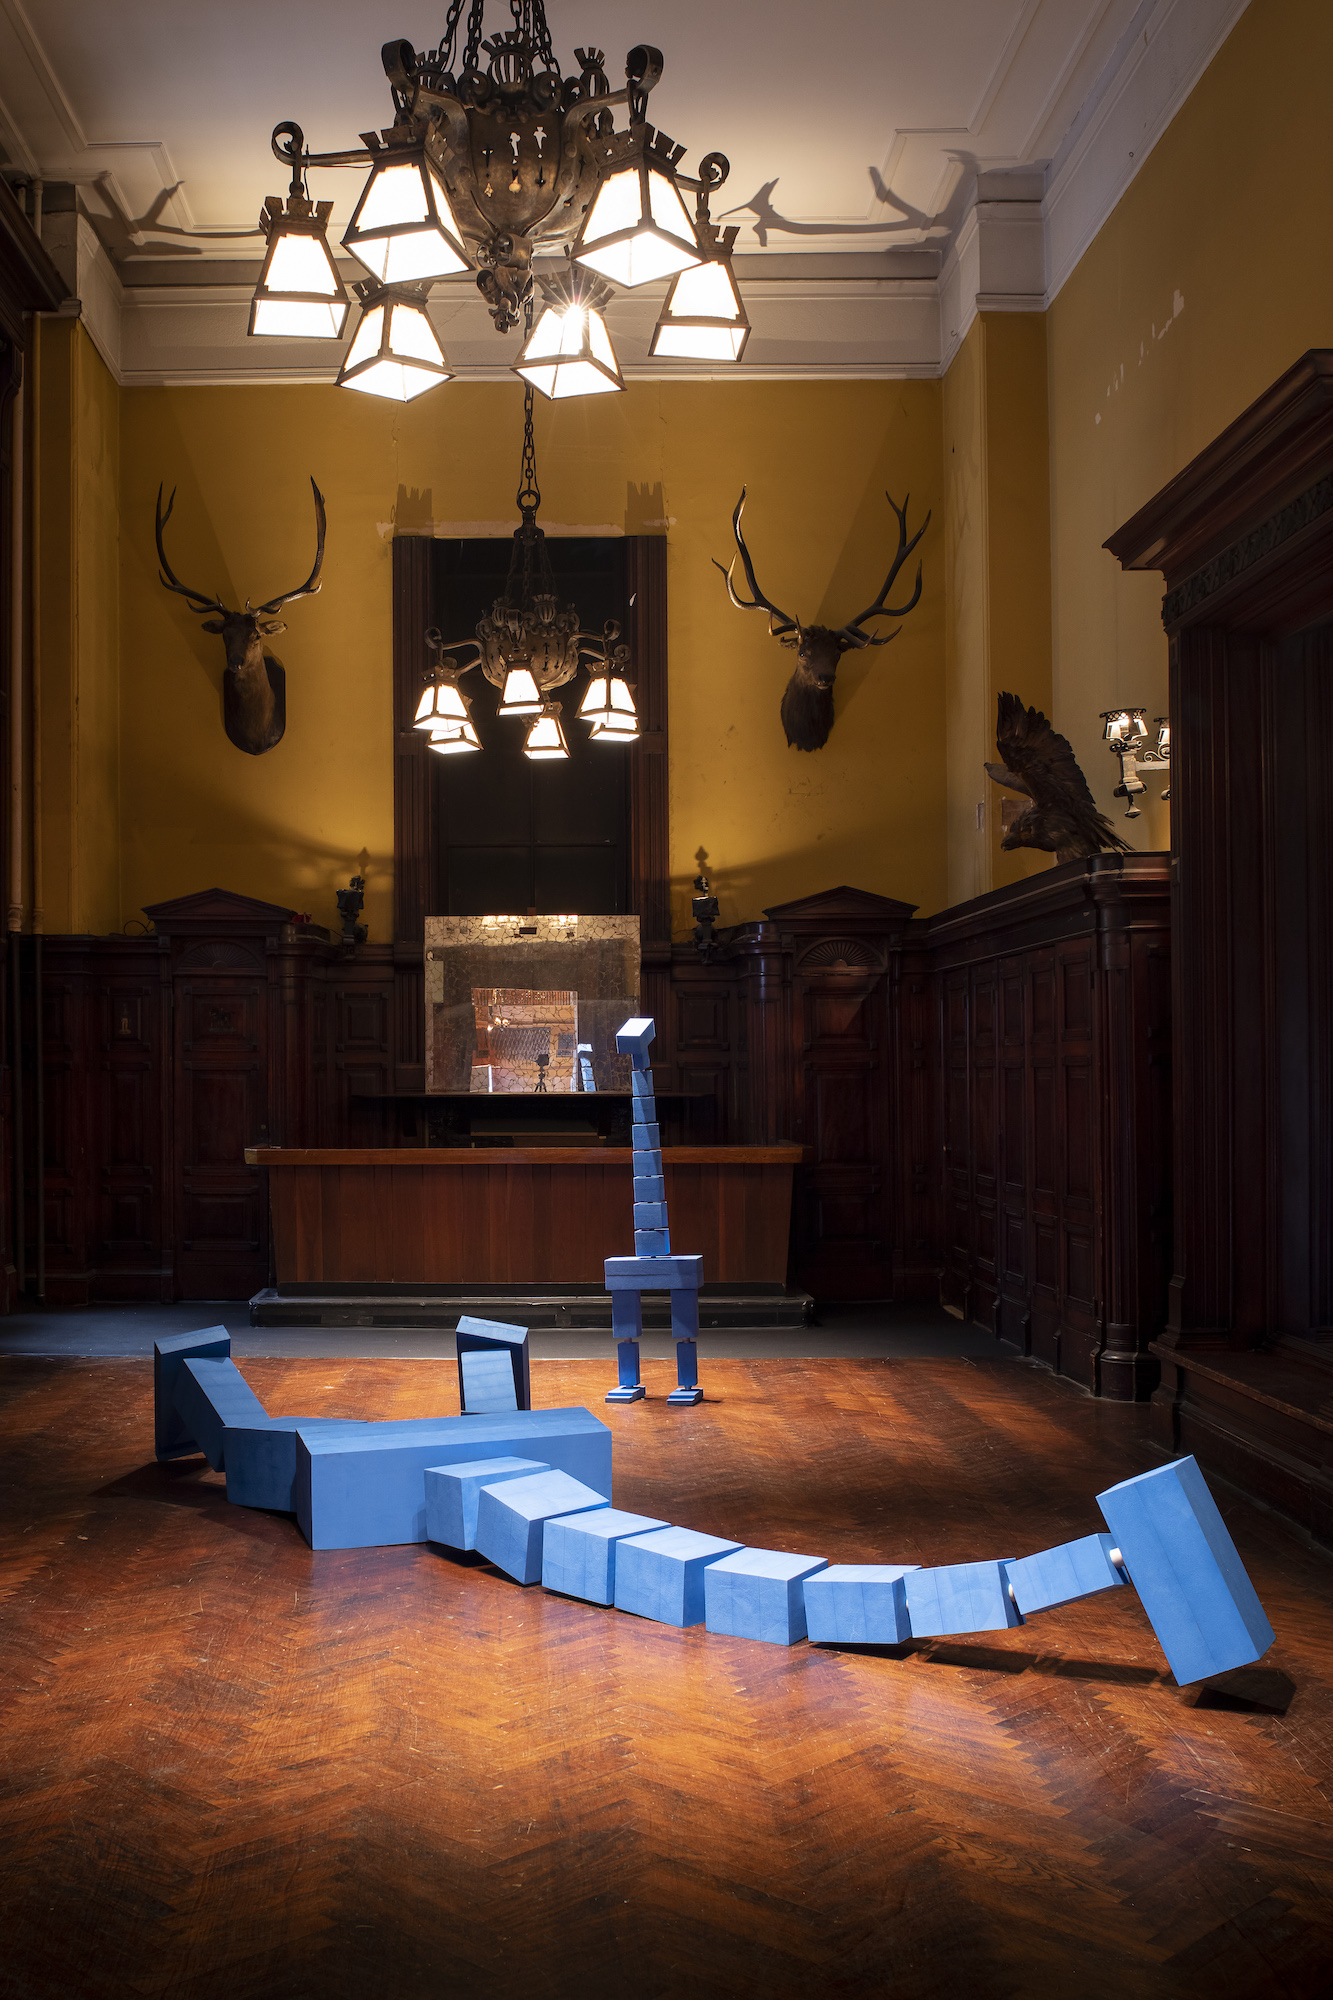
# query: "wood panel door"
{"type": "Point", "coordinates": [845, 1250]}
{"type": "Point", "coordinates": [221, 1108]}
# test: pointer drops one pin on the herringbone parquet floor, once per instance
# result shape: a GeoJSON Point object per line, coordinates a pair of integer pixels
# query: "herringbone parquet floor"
{"type": "Point", "coordinates": [234, 1769]}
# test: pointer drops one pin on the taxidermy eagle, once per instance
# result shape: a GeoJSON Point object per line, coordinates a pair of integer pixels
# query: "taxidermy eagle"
{"type": "Point", "coordinates": [1063, 818]}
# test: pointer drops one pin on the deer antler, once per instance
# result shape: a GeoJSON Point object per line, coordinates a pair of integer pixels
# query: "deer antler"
{"type": "Point", "coordinates": [311, 585]}
{"type": "Point", "coordinates": [167, 576]}
{"type": "Point", "coordinates": [759, 602]}
{"type": "Point", "coordinates": [851, 632]}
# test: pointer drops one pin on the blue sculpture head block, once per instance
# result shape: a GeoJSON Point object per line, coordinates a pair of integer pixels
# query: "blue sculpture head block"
{"type": "Point", "coordinates": [634, 1039]}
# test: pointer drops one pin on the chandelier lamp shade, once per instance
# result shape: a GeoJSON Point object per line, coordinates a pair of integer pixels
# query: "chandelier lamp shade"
{"type": "Point", "coordinates": [609, 707]}
{"type": "Point", "coordinates": [703, 318]}
{"type": "Point", "coordinates": [520, 694]}
{"type": "Point", "coordinates": [299, 295]}
{"type": "Point", "coordinates": [494, 156]}
{"type": "Point", "coordinates": [546, 738]}
{"type": "Point", "coordinates": [394, 351]}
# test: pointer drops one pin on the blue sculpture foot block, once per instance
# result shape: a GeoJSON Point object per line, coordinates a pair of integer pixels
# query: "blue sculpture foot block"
{"type": "Point", "coordinates": [486, 1384]}
{"type": "Point", "coordinates": [494, 1336]}
{"type": "Point", "coordinates": [961, 1597]}
{"type": "Point", "coordinates": [690, 1395]}
{"type": "Point", "coordinates": [661, 1576]}
{"type": "Point", "coordinates": [210, 1395]}
{"type": "Point", "coordinates": [858, 1604]}
{"type": "Point", "coordinates": [759, 1594]}
{"type": "Point", "coordinates": [653, 1274]}
{"type": "Point", "coordinates": [452, 1493]}
{"type": "Point", "coordinates": [512, 1516]}
{"type": "Point", "coordinates": [652, 1243]}
{"type": "Point", "coordinates": [634, 1038]}
{"type": "Point", "coordinates": [1187, 1571]}
{"type": "Point", "coordinates": [171, 1437]}
{"type": "Point", "coordinates": [627, 1392]}
{"type": "Point", "coordinates": [1045, 1581]}
{"type": "Point", "coordinates": [579, 1551]}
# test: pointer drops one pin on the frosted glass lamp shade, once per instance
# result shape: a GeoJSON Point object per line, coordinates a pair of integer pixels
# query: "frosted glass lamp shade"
{"type": "Point", "coordinates": [394, 351]}
{"type": "Point", "coordinates": [299, 295]}
{"type": "Point", "coordinates": [403, 228]}
{"type": "Point", "coordinates": [546, 738]}
{"type": "Point", "coordinates": [638, 227]}
{"type": "Point", "coordinates": [570, 354]}
{"type": "Point", "coordinates": [703, 318]}
{"type": "Point", "coordinates": [442, 706]}
{"type": "Point", "coordinates": [454, 741]}
{"type": "Point", "coordinates": [609, 707]}
{"type": "Point", "coordinates": [521, 695]}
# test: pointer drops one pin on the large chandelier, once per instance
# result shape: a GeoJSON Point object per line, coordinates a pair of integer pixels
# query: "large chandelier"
{"type": "Point", "coordinates": [495, 157]}
{"type": "Point", "coordinates": [528, 645]}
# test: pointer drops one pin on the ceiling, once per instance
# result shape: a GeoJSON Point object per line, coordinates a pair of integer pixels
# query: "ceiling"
{"type": "Point", "coordinates": [858, 125]}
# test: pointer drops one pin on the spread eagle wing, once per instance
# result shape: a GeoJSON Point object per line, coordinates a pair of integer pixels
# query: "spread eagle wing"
{"type": "Point", "coordinates": [1040, 762]}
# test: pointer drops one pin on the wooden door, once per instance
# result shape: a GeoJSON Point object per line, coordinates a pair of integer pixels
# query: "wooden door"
{"type": "Point", "coordinates": [221, 1108]}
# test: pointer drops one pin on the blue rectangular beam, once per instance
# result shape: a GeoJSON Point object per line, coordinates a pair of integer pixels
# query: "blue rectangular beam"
{"type": "Point", "coordinates": [651, 1274]}
{"type": "Point", "coordinates": [210, 1395]}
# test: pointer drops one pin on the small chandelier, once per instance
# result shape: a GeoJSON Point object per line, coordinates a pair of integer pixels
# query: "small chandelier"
{"type": "Point", "coordinates": [492, 156]}
{"type": "Point", "coordinates": [1125, 733]}
{"type": "Point", "coordinates": [394, 351]}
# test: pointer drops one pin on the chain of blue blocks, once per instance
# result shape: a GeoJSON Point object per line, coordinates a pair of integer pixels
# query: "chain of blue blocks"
{"type": "Point", "coordinates": [652, 1268]}
{"type": "Point", "coordinates": [531, 1491]}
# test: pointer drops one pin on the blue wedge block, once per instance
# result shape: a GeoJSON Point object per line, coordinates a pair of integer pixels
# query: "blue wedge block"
{"type": "Point", "coordinates": [650, 1215]}
{"type": "Point", "coordinates": [210, 1395]}
{"type": "Point", "coordinates": [649, 1274]}
{"type": "Point", "coordinates": [452, 1493]}
{"type": "Point", "coordinates": [495, 1336]}
{"type": "Point", "coordinates": [1053, 1577]}
{"type": "Point", "coordinates": [644, 1111]}
{"type": "Point", "coordinates": [758, 1594]}
{"type": "Point", "coordinates": [661, 1576]}
{"type": "Point", "coordinates": [579, 1551]}
{"type": "Point", "coordinates": [858, 1604]}
{"type": "Point", "coordinates": [647, 1143]}
{"type": "Point", "coordinates": [652, 1243]}
{"type": "Point", "coordinates": [512, 1516]}
{"type": "Point", "coordinates": [649, 1187]}
{"type": "Point", "coordinates": [369, 1492]}
{"type": "Point", "coordinates": [634, 1038]}
{"type": "Point", "coordinates": [641, 1082]}
{"type": "Point", "coordinates": [487, 1384]}
{"type": "Point", "coordinates": [171, 1439]}
{"type": "Point", "coordinates": [1186, 1569]}
{"type": "Point", "coordinates": [961, 1597]}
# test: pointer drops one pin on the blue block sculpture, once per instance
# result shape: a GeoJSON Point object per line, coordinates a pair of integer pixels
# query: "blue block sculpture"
{"type": "Point", "coordinates": [452, 1492]}
{"type": "Point", "coordinates": [1186, 1569]}
{"type": "Point", "coordinates": [1053, 1577]}
{"type": "Point", "coordinates": [661, 1575]}
{"type": "Point", "coordinates": [758, 1594]}
{"type": "Point", "coordinates": [486, 1384]}
{"type": "Point", "coordinates": [210, 1395]}
{"type": "Point", "coordinates": [171, 1437]}
{"type": "Point", "coordinates": [369, 1492]}
{"type": "Point", "coordinates": [961, 1597]}
{"type": "Point", "coordinates": [579, 1551]}
{"type": "Point", "coordinates": [494, 1336]}
{"type": "Point", "coordinates": [858, 1604]}
{"type": "Point", "coordinates": [512, 1515]}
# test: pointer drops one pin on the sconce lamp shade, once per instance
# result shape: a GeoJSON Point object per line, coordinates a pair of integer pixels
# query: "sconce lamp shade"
{"type": "Point", "coordinates": [299, 295]}
{"type": "Point", "coordinates": [1123, 727]}
{"type": "Point", "coordinates": [609, 707]}
{"type": "Point", "coordinates": [703, 318]}
{"type": "Point", "coordinates": [546, 738]}
{"type": "Point", "coordinates": [1162, 724]}
{"type": "Point", "coordinates": [520, 695]}
{"type": "Point", "coordinates": [403, 228]}
{"type": "Point", "coordinates": [638, 227]}
{"type": "Point", "coordinates": [394, 351]}
{"type": "Point", "coordinates": [570, 354]}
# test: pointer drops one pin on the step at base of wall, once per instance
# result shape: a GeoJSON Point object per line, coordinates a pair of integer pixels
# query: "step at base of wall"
{"type": "Point", "coordinates": [542, 1308]}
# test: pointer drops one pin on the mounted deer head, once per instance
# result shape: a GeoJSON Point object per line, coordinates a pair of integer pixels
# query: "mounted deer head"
{"type": "Point", "coordinates": [807, 701]}
{"type": "Point", "coordinates": [254, 687]}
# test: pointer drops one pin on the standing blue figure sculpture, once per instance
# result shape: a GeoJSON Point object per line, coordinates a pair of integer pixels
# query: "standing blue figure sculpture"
{"type": "Point", "coordinates": [652, 1268]}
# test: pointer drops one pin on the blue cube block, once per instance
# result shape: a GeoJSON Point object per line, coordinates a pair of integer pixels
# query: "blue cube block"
{"type": "Point", "coordinates": [452, 1492]}
{"type": "Point", "coordinates": [512, 1515]}
{"type": "Point", "coordinates": [633, 1039]}
{"type": "Point", "coordinates": [647, 1142]}
{"type": "Point", "coordinates": [644, 1111]}
{"type": "Point", "coordinates": [487, 1384]}
{"type": "Point", "coordinates": [961, 1597]}
{"type": "Point", "coordinates": [858, 1604]}
{"type": "Point", "coordinates": [758, 1594]}
{"type": "Point", "coordinates": [579, 1551]}
{"type": "Point", "coordinates": [171, 1438]}
{"type": "Point", "coordinates": [661, 1576]}
{"type": "Point", "coordinates": [1052, 1577]}
{"type": "Point", "coordinates": [365, 1492]}
{"type": "Point", "coordinates": [495, 1336]}
{"type": "Point", "coordinates": [649, 1187]}
{"type": "Point", "coordinates": [652, 1243]}
{"type": "Point", "coordinates": [210, 1395]}
{"type": "Point", "coordinates": [650, 1274]}
{"type": "Point", "coordinates": [650, 1215]}
{"type": "Point", "coordinates": [1186, 1569]}
{"type": "Point", "coordinates": [641, 1083]}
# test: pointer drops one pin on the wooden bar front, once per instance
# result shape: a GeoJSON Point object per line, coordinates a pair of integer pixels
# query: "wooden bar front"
{"type": "Point", "coordinates": [540, 1215]}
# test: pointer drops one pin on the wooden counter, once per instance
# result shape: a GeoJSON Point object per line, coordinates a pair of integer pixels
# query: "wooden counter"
{"type": "Point", "coordinates": [521, 1215]}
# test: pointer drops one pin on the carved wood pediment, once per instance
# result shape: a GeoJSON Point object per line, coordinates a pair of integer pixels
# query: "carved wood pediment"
{"type": "Point", "coordinates": [213, 910]}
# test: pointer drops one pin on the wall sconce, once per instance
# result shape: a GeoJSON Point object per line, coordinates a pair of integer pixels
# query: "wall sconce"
{"type": "Point", "coordinates": [1125, 734]}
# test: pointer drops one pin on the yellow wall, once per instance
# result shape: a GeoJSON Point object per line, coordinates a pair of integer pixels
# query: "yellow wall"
{"type": "Point", "coordinates": [1211, 277]}
{"type": "Point", "coordinates": [289, 826]}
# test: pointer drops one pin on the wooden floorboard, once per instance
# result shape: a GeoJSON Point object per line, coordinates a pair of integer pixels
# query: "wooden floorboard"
{"type": "Point", "coordinates": [237, 1770]}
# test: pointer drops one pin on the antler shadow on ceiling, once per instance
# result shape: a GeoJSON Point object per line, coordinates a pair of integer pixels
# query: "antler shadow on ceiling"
{"type": "Point", "coordinates": [767, 217]}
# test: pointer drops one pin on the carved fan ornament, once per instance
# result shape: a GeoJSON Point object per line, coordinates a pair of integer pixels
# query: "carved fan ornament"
{"type": "Point", "coordinates": [842, 955]}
